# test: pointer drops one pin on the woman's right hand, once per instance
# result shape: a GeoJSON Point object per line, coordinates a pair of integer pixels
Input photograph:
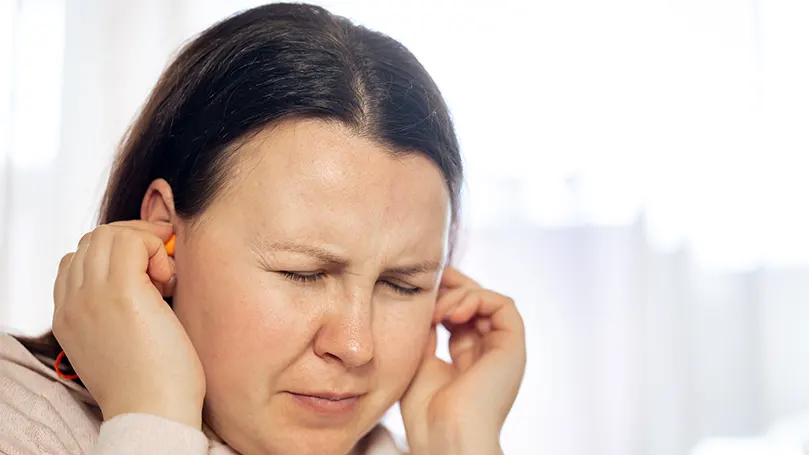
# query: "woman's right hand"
{"type": "Point", "coordinates": [121, 337]}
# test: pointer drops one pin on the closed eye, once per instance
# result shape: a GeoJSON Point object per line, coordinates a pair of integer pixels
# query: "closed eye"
{"type": "Point", "coordinates": [404, 290]}
{"type": "Point", "coordinates": [302, 277]}
{"type": "Point", "coordinates": [313, 277]}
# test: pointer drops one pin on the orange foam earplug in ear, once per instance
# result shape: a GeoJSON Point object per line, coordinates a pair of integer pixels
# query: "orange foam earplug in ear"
{"type": "Point", "coordinates": [170, 245]}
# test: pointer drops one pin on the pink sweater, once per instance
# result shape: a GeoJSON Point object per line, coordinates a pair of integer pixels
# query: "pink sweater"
{"type": "Point", "coordinates": [41, 414]}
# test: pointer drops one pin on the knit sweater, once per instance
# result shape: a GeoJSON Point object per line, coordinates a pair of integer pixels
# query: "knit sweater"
{"type": "Point", "coordinates": [41, 414]}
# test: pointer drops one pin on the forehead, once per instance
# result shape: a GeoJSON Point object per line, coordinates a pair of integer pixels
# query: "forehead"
{"type": "Point", "coordinates": [316, 180]}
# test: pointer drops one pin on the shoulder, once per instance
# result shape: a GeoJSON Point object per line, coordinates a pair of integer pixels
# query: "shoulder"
{"type": "Point", "coordinates": [38, 410]}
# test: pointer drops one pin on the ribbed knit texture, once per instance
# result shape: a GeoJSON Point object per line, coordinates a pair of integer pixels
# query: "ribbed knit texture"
{"type": "Point", "coordinates": [41, 414]}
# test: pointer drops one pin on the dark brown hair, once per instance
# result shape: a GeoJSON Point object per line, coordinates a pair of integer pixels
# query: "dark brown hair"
{"type": "Point", "coordinates": [254, 69]}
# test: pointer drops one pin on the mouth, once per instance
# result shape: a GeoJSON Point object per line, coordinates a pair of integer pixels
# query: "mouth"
{"type": "Point", "coordinates": [327, 402]}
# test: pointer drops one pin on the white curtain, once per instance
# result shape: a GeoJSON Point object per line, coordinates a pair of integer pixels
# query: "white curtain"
{"type": "Point", "coordinates": [636, 180]}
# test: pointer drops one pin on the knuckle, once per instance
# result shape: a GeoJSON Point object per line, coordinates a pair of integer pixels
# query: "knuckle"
{"type": "Point", "coordinates": [85, 238]}
{"type": "Point", "coordinates": [103, 230]}
{"type": "Point", "coordinates": [62, 320]}
{"type": "Point", "coordinates": [128, 233]}
{"type": "Point", "coordinates": [502, 299]}
{"type": "Point", "coordinates": [57, 325]}
{"type": "Point", "coordinates": [65, 261]}
{"type": "Point", "coordinates": [126, 236]}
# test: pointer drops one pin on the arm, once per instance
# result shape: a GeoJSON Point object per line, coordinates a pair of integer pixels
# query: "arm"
{"type": "Point", "coordinates": [38, 416]}
{"type": "Point", "coordinates": [131, 434]}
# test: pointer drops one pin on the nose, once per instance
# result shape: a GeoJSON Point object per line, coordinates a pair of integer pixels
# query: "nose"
{"type": "Point", "coordinates": [346, 334]}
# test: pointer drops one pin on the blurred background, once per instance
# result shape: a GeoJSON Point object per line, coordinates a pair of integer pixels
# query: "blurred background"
{"type": "Point", "coordinates": [637, 181]}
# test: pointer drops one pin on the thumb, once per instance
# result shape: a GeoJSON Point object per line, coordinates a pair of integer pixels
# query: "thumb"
{"type": "Point", "coordinates": [432, 374]}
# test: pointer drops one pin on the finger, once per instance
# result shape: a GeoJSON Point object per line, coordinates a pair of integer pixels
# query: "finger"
{"type": "Point", "coordinates": [491, 302]}
{"type": "Point", "coordinates": [61, 283]}
{"type": "Point", "coordinates": [453, 278]}
{"type": "Point", "coordinates": [499, 310]}
{"type": "Point", "coordinates": [447, 303]}
{"type": "Point", "coordinates": [160, 229]}
{"type": "Point", "coordinates": [96, 263]}
{"type": "Point", "coordinates": [507, 325]}
{"type": "Point", "coordinates": [483, 325]}
{"type": "Point", "coordinates": [166, 289]}
{"type": "Point", "coordinates": [75, 275]}
{"type": "Point", "coordinates": [157, 269]}
{"type": "Point", "coordinates": [466, 309]}
{"type": "Point", "coordinates": [161, 266]}
{"type": "Point", "coordinates": [135, 252]}
{"type": "Point", "coordinates": [464, 348]}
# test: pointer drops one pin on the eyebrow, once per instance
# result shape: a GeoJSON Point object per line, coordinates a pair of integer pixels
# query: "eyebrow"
{"type": "Point", "coordinates": [328, 257]}
{"type": "Point", "coordinates": [308, 250]}
{"type": "Point", "coordinates": [415, 269]}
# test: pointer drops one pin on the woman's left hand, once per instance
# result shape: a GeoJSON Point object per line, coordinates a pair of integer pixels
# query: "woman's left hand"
{"type": "Point", "coordinates": [460, 407]}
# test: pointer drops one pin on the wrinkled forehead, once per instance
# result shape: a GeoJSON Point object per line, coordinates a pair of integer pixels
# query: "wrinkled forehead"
{"type": "Point", "coordinates": [315, 180]}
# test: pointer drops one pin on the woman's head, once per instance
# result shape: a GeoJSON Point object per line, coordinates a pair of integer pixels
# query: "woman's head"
{"type": "Point", "coordinates": [311, 171]}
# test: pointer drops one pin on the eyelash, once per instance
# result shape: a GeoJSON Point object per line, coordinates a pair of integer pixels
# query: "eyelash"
{"type": "Point", "coordinates": [301, 278]}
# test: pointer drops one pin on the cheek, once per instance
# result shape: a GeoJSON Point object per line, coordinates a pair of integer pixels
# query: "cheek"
{"type": "Point", "coordinates": [238, 323]}
{"type": "Point", "coordinates": [402, 335]}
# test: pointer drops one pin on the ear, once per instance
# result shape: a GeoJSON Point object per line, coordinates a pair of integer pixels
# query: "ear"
{"type": "Point", "coordinates": [157, 207]}
{"type": "Point", "coordinates": [158, 203]}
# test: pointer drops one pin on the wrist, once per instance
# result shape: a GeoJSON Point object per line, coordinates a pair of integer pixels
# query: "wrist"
{"type": "Point", "coordinates": [469, 441]}
{"type": "Point", "coordinates": [185, 413]}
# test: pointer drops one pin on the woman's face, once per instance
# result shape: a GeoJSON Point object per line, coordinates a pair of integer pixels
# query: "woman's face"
{"type": "Point", "coordinates": [308, 287]}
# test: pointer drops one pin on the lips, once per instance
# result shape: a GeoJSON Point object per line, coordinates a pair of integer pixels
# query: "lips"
{"type": "Point", "coordinates": [329, 403]}
{"type": "Point", "coordinates": [328, 395]}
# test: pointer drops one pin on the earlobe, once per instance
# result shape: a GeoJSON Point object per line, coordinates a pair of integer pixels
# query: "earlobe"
{"type": "Point", "coordinates": [158, 203]}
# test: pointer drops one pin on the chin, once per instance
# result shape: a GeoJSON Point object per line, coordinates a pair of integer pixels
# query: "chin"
{"type": "Point", "coordinates": [304, 441]}
{"type": "Point", "coordinates": [290, 438]}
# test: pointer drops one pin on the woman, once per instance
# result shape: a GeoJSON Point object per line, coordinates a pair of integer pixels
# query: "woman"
{"type": "Point", "coordinates": [307, 172]}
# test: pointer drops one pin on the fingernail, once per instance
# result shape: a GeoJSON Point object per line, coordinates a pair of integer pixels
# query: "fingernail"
{"type": "Point", "coordinates": [169, 288]}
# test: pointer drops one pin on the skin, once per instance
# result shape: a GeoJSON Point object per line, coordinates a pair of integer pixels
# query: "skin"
{"type": "Point", "coordinates": [294, 283]}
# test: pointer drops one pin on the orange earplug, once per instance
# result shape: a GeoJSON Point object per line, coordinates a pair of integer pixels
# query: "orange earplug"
{"type": "Point", "coordinates": [170, 245]}
{"type": "Point", "coordinates": [170, 250]}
